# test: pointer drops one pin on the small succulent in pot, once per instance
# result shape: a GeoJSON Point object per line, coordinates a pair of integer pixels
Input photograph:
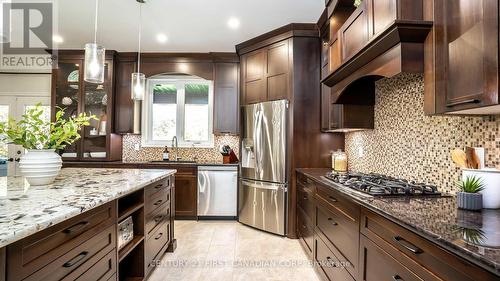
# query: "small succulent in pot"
{"type": "Point", "coordinates": [468, 197]}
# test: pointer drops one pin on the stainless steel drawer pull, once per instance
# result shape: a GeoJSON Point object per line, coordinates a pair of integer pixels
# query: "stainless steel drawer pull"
{"type": "Point", "coordinates": [76, 227]}
{"type": "Point", "coordinates": [451, 104]}
{"type": "Point", "coordinates": [407, 245]}
{"type": "Point", "coordinates": [158, 218]}
{"type": "Point", "coordinates": [158, 186]}
{"type": "Point", "coordinates": [158, 202]}
{"type": "Point", "coordinates": [397, 278]}
{"type": "Point", "coordinates": [333, 199]}
{"type": "Point", "coordinates": [76, 259]}
{"type": "Point", "coordinates": [159, 236]}
{"type": "Point", "coordinates": [332, 221]}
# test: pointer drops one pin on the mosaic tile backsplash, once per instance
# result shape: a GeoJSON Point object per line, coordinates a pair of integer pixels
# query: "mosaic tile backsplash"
{"type": "Point", "coordinates": [209, 155]}
{"type": "Point", "coordinates": [408, 144]}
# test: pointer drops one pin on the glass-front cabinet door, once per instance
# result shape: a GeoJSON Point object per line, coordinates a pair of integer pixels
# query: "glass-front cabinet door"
{"type": "Point", "coordinates": [96, 103]}
{"type": "Point", "coordinates": [67, 96]}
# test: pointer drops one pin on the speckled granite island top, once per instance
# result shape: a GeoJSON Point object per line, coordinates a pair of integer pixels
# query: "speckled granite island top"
{"type": "Point", "coordinates": [474, 236]}
{"type": "Point", "coordinates": [26, 209]}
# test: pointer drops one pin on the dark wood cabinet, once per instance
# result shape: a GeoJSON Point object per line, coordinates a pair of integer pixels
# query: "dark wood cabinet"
{"type": "Point", "coordinates": [226, 99]}
{"type": "Point", "coordinates": [378, 265]}
{"type": "Point", "coordinates": [358, 36]}
{"type": "Point", "coordinates": [186, 194]}
{"type": "Point", "coordinates": [277, 69]}
{"type": "Point", "coordinates": [265, 73]}
{"type": "Point", "coordinates": [124, 106]}
{"type": "Point", "coordinates": [85, 247]}
{"type": "Point", "coordinates": [345, 117]}
{"type": "Point", "coordinates": [328, 264]}
{"type": "Point", "coordinates": [354, 32]}
{"type": "Point", "coordinates": [55, 252]}
{"type": "Point", "coordinates": [70, 91]}
{"type": "Point", "coordinates": [351, 242]}
{"type": "Point", "coordinates": [462, 58]}
{"type": "Point", "coordinates": [253, 76]}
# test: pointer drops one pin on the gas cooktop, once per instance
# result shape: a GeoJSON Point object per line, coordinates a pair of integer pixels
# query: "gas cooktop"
{"type": "Point", "coordinates": [380, 185]}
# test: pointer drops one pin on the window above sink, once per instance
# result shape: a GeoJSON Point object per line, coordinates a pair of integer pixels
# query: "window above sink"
{"type": "Point", "coordinates": [178, 105]}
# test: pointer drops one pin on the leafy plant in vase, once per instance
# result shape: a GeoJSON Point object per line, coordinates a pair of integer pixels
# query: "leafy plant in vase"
{"type": "Point", "coordinates": [41, 138]}
{"type": "Point", "coordinates": [468, 197]}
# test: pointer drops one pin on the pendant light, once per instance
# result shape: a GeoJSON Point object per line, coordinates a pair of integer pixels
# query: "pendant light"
{"type": "Point", "coordinates": [94, 56]}
{"type": "Point", "coordinates": [139, 79]}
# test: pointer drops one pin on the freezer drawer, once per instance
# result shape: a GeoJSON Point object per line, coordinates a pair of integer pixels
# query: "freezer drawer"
{"type": "Point", "coordinates": [262, 205]}
{"type": "Point", "coordinates": [217, 191]}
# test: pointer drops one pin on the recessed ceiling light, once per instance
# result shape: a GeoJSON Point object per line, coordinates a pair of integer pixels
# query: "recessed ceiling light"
{"type": "Point", "coordinates": [57, 39]}
{"type": "Point", "coordinates": [233, 23]}
{"type": "Point", "coordinates": [162, 38]}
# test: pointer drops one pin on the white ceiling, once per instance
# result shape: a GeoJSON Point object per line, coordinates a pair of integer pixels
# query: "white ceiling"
{"type": "Point", "coordinates": [190, 25]}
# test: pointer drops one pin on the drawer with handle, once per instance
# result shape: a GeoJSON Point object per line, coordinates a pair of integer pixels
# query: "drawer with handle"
{"type": "Point", "coordinates": [305, 199]}
{"type": "Point", "coordinates": [155, 200]}
{"type": "Point", "coordinates": [305, 230]}
{"type": "Point", "coordinates": [156, 245]}
{"type": "Point", "coordinates": [336, 202]}
{"type": "Point", "coordinates": [157, 217]}
{"type": "Point", "coordinates": [62, 266]}
{"type": "Point", "coordinates": [376, 264]}
{"type": "Point", "coordinates": [340, 233]}
{"type": "Point", "coordinates": [36, 251]}
{"type": "Point", "coordinates": [329, 264]}
{"type": "Point", "coordinates": [101, 267]}
{"type": "Point", "coordinates": [406, 244]}
{"type": "Point", "coordinates": [161, 185]}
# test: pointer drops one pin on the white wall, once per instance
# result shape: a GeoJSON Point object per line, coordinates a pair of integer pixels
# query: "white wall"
{"type": "Point", "coordinates": [33, 85]}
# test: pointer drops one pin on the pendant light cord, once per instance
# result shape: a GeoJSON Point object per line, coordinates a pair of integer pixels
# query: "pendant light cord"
{"type": "Point", "coordinates": [95, 22]}
{"type": "Point", "coordinates": [140, 29]}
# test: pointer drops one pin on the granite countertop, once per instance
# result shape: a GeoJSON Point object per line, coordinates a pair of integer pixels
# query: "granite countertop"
{"type": "Point", "coordinates": [26, 209]}
{"type": "Point", "coordinates": [474, 236]}
{"type": "Point", "coordinates": [165, 163]}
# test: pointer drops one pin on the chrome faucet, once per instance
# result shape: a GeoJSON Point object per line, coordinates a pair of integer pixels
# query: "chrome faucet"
{"type": "Point", "coordinates": [176, 145]}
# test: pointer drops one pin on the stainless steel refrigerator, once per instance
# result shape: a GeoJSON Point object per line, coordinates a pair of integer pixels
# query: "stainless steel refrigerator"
{"type": "Point", "coordinates": [263, 177]}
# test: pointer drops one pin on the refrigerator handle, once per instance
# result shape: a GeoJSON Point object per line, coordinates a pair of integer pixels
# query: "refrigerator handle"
{"type": "Point", "coordinates": [262, 185]}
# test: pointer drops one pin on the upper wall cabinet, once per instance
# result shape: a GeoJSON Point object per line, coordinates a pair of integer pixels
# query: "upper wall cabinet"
{"type": "Point", "coordinates": [358, 36]}
{"type": "Point", "coordinates": [462, 58]}
{"type": "Point", "coordinates": [265, 73]}
{"type": "Point", "coordinates": [70, 91]}
{"type": "Point", "coordinates": [226, 99]}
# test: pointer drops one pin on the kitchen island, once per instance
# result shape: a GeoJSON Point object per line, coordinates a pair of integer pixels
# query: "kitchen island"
{"type": "Point", "coordinates": [398, 237]}
{"type": "Point", "coordinates": [69, 230]}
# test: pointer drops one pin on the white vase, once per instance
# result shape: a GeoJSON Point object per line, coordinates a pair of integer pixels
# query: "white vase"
{"type": "Point", "coordinates": [491, 181]}
{"type": "Point", "coordinates": [40, 166]}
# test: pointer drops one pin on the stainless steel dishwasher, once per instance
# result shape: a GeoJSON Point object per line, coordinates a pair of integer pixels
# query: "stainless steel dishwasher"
{"type": "Point", "coordinates": [217, 192]}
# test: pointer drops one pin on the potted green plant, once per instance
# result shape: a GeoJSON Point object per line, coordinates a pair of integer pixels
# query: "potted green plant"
{"type": "Point", "coordinates": [468, 197]}
{"type": "Point", "coordinates": [41, 138]}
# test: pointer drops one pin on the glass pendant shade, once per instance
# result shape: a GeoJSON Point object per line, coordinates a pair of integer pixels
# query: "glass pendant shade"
{"type": "Point", "coordinates": [94, 63]}
{"type": "Point", "coordinates": [138, 86]}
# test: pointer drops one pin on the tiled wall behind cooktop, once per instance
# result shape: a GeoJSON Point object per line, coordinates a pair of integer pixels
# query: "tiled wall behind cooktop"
{"type": "Point", "coordinates": [408, 144]}
{"type": "Point", "coordinates": [156, 153]}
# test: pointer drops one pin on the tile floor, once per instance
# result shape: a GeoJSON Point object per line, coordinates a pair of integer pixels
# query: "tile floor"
{"type": "Point", "coordinates": [217, 250]}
